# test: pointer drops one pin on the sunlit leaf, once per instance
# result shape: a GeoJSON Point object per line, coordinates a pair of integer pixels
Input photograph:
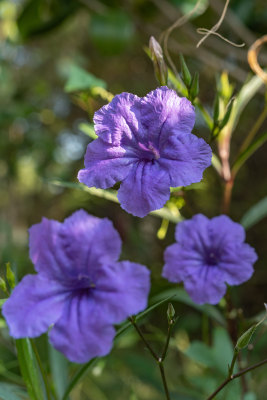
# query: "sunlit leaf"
{"type": "Point", "coordinates": [80, 79]}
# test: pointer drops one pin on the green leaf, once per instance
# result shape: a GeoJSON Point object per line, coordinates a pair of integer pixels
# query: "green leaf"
{"type": "Point", "coordinates": [38, 17]}
{"type": "Point", "coordinates": [194, 88]}
{"type": "Point", "coordinates": [185, 72]}
{"type": "Point", "coordinates": [201, 353]}
{"type": "Point", "coordinates": [247, 92]}
{"type": "Point", "coordinates": [10, 276]}
{"type": "Point", "coordinates": [216, 109]}
{"type": "Point", "coordinates": [255, 214]}
{"type": "Point", "coordinates": [111, 195]}
{"type": "Point", "coordinates": [29, 369]}
{"type": "Point", "coordinates": [79, 80]}
{"type": "Point", "coordinates": [244, 339]}
{"type": "Point", "coordinates": [88, 129]}
{"type": "Point", "coordinates": [59, 371]}
{"type": "Point", "coordinates": [11, 392]}
{"type": "Point", "coordinates": [227, 114]}
{"type": "Point", "coordinates": [180, 295]}
{"type": "Point", "coordinates": [248, 152]}
{"type": "Point", "coordinates": [112, 31]}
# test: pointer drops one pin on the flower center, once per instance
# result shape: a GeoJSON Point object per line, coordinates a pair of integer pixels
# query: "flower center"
{"type": "Point", "coordinates": [84, 282]}
{"type": "Point", "coordinates": [211, 258]}
{"type": "Point", "coordinates": [152, 152]}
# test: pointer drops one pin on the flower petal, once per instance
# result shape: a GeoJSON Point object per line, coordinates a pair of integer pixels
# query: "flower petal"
{"type": "Point", "coordinates": [236, 263]}
{"type": "Point", "coordinates": [121, 290]}
{"type": "Point", "coordinates": [105, 165]}
{"type": "Point", "coordinates": [35, 304]}
{"type": "Point", "coordinates": [63, 250]}
{"type": "Point", "coordinates": [145, 189]}
{"type": "Point", "coordinates": [162, 110]}
{"type": "Point", "coordinates": [118, 119]}
{"type": "Point", "coordinates": [185, 157]}
{"type": "Point", "coordinates": [205, 284]}
{"type": "Point", "coordinates": [177, 259]}
{"type": "Point", "coordinates": [78, 334]}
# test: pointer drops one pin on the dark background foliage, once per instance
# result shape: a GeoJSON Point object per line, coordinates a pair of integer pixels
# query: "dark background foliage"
{"type": "Point", "coordinates": [43, 43]}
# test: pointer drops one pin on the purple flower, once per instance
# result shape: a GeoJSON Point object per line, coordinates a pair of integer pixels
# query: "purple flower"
{"type": "Point", "coordinates": [146, 144]}
{"type": "Point", "coordinates": [209, 254]}
{"type": "Point", "coordinates": [81, 289]}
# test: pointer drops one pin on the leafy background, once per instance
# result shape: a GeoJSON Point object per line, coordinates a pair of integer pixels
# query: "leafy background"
{"type": "Point", "coordinates": [59, 62]}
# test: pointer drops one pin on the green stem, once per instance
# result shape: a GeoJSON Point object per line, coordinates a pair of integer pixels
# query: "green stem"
{"type": "Point", "coordinates": [164, 353]}
{"type": "Point", "coordinates": [163, 377]}
{"type": "Point", "coordinates": [231, 368]}
{"type": "Point", "coordinates": [152, 352]}
{"type": "Point", "coordinates": [41, 369]}
{"type": "Point", "coordinates": [232, 377]}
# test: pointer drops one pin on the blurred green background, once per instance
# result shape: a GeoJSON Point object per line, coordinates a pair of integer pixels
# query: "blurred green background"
{"type": "Point", "coordinates": [59, 60]}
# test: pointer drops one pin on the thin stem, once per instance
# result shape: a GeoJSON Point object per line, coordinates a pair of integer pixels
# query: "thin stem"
{"type": "Point", "coordinates": [163, 377]}
{"type": "Point", "coordinates": [227, 196]}
{"type": "Point", "coordinates": [164, 353]}
{"type": "Point", "coordinates": [231, 368]}
{"type": "Point", "coordinates": [41, 369]}
{"type": "Point", "coordinates": [154, 355]}
{"type": "Point", "coordinates": [237, 375]}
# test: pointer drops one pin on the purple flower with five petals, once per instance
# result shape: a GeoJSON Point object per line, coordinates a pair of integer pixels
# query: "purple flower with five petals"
{"type": "Point", "coordinates": [146, 144]}
{"type": "Point", "coordinates": [80, 289]}
{"type": "Point", "coordinates": [209, 254]}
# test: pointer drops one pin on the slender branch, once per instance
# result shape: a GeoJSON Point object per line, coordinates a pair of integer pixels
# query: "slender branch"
{"type": "Point", "coordinates": [237, 375]}
{"type": "Point", "coordinates": [152, 352]}
{"type": "Point", "coordinates": [163, 377]}
{"type": "Point", "coordinates": [160, 360]}
{"type": "Point", "coordinates": [164, 353]}
{"type": "Point", "coordinates": [231, 368]}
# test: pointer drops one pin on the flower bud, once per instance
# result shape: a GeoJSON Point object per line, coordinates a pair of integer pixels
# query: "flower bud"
{"type": "Point", "coordinates": [160, 67]}
{"type": "Point", "coordinates": [170, 313]}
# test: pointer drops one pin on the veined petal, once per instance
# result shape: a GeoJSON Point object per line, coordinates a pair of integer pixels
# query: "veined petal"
{"type": "Point", "coordinates": [121, 290]}
{"type": "Point", "coordinates": [62, 251]}
{"type": "Point", "coordinates": [205, 284]}
{"type": "Point", "coordinates": [145, 189]}
{"type": "Point", "coordinates": [105, 164]}
{"type": "Point", "coordinates": [185, 157]}
{"type": "Point", "coordinates": [118, 119]}
{"type": "Point", "coordinates": [34, 305]}
{"type": "Point", "coordinates": [78, 334]}
{"type": "Point", "coordinates": [162, 110]}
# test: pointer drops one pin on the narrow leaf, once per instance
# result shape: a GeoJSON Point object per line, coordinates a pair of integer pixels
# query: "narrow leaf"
{"type": "Point", "coordinates": [227, 114]}
{"type": "Point", "coordinates": [244, 339]}
{"type": "Point", "coordinates": [111, 195]}
{"type": "Point", "coordinates": [185, 72]}
{"type": "Point", "coordinates": [10, 276]}
{"type": "Point", "coordinates": [29, 369]}
{"type": "Point", "coordinates": [248, 152]}
{"type": "Point", "coordinates": [194, 88]}
{"type": "Point", "coordinates": [255, 214]}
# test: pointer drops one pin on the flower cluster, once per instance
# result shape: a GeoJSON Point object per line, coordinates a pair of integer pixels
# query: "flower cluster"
{"type": "Point", "coordinates": [209, 254]}
{"type": "Point", "coordinates": [146, 144]}
{"type": "Point", "coordinates": [80, 289]}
